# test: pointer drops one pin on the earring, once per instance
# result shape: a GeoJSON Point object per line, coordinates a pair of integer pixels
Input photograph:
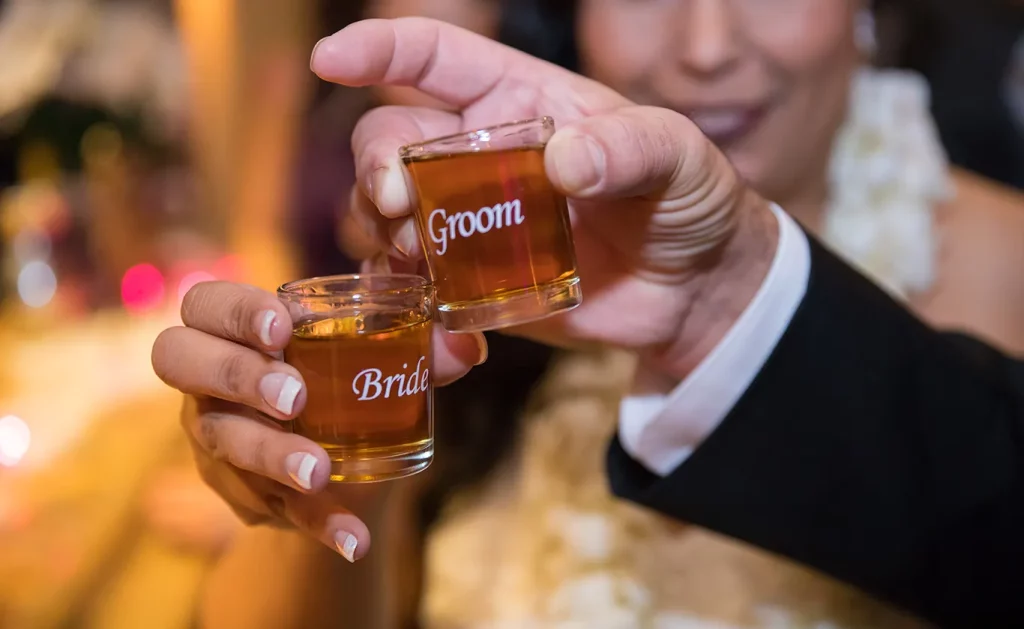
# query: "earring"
{"type": "Point", "coordinates": [865, 35]}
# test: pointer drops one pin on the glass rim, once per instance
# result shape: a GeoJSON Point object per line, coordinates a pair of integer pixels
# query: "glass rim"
{"type": "Point", "coordinates": [468, 136]}
{"type": "Point", "coordinates": [399, 284]}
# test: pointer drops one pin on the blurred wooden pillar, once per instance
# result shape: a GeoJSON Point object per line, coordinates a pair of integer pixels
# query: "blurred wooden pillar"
{"type": "Point", "coordinates": [248, 64]}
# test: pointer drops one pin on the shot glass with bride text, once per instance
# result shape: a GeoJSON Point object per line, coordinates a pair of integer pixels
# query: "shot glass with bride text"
{"type": "Point", "coordinates": [496, 234]}
{"type": "Point", "coordinates": [363, 346]}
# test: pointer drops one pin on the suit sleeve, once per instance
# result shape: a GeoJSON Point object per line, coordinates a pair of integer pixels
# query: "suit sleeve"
{"type": "Point", "coordinates": [872, 448]}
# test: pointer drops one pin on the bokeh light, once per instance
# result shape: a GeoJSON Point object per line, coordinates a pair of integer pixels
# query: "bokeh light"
{"type": "Point", "coordinates": [228, 268]}
{"type": "Point", "coordinates": [30, 245]}
{"type": "Point", "coordinates": [37, 284]}
{"type": "Point", "coordinates": [190, 280]}
{"type": "Point", "coordinates": [142, 288]}
{"type": "Point", "coordinates": [15, 438]}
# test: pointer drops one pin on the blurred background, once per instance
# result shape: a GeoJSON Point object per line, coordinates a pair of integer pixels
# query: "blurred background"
{"type": "Point", "coordinates": [147, 145]}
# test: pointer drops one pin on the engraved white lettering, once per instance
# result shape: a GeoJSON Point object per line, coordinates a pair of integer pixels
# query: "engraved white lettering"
{"type": "Point", "coordinates": [371, 384]}
{"type": "Point", "coordinates": [439, 237]}
{"type": "Point", "coordinates": [413, 384]}
{"type": "Point", "coordinates": [466, 224]}
{"type": "Point", "coordinates": [485, 214]}
{"type": "Point", "coordinates": [400, 379]}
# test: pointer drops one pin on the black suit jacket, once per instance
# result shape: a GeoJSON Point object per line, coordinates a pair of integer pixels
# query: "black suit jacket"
{"type": "Point", "coordinates": [874, 449]}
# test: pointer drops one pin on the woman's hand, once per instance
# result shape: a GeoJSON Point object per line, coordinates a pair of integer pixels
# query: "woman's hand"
{"type": "Point", "coordinates": [666, 234]}
{"type": "Point", "coordinates": [227, 360]}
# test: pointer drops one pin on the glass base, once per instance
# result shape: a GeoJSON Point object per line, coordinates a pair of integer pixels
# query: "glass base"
{"type": "Point", "coordinates": [511, 309]}
{"type": "Point", "coordinates": [355, 467]}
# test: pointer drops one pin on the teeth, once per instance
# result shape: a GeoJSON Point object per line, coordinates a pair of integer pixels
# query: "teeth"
{"type": "Point", "coordinates": [717, 122]}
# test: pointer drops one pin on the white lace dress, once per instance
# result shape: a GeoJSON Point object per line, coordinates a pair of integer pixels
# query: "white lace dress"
{"type": "Point", "coordinates": [546, 546]}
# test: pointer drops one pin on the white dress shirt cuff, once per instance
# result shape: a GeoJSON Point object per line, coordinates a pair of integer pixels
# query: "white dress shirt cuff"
{"type": "Point", "coordinates": [661, 430]}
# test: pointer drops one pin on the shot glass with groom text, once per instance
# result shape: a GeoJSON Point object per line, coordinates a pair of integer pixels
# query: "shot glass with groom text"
{"type": "Point", "coordinates": [495, 232]}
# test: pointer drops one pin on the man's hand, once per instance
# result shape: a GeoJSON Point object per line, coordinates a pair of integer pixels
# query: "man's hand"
{"type": "Point", "coordinates": [671, 245]}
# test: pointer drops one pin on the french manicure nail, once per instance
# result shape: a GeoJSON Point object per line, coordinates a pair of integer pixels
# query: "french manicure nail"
{"type": "Point", "coordinates": [346, 544]}
{"type": "Point", "coordinates": [280, 390]}
{"type": "Point", "coordinates": [300, 468]}
{"type": "Point", "coordinates": [266, 325]}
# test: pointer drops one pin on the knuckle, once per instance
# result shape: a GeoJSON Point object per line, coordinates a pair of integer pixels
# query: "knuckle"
{"type": "Point", "coordinates": [194, 302]}
{"type": "Point", "coordinates": [229, 440]}
{"type": "Point", "coordinates": [219, 308]}
{"type": "Point", "coordinates": [231, 375]}
{"type": "Point", "coordinates": [649, 142]}
{"type": "Point", "coordinates": [617, 130]}
{"type": "Point", "coordinates": [239, 308]}
{"type": "Point", "coordinates": [654, 141]}
{"type": "Point", "coordinates": [257, 455]}
{"type": "Point", "coordinates": [663, 136]}
{"type": "Point", "coordinates": [209, 439]}
{"type": "Point", "coordinates": [626, 147]}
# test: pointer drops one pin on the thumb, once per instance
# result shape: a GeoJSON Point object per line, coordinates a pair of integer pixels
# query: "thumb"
{"type": "Point", "coordinates": [676, 194]}
{"type": "Point", "coordinates": [638, 152]}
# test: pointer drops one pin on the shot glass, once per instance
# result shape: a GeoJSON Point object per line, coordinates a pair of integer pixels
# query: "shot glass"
{"type": "Point", "coordinates": [363, 346]}
{"type": "Point", "coordinates": [495, 232]}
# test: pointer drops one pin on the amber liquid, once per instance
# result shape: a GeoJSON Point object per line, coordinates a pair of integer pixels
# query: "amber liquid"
{"type": "Point", "coordinates": [491, 224]}
{"type": "Point", "coordinates": [368, 383]}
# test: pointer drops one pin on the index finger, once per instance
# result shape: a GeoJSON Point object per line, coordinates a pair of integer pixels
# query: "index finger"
{"type": "Point", "coordinates": [449, 63]}
{"type": "Point", "coordinates": [237, 312]}
{"type": "Point", "coordinates": [454, 65]}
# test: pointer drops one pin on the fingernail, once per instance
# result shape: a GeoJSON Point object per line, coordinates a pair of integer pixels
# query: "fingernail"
{"type": "Point", "coordinates": [376, 183]}
{"type": "Point", "coordinates": [404, 237]}
{"type": "Point", "coordinates": [280, 390]}
{"type": "Point", "coordinates": [481, 343]}
{"type": "Point", "coordinates": [390, 193]}
{"type": "Point", "coordinates": [312, 55]}
{"type": "Point", "coordinates": [346, 544]}
{"type": "Point", "coordinates": [380, 263]}
{"type": "Point", "coordinates": [579, 161]}
{"type": "Point", "coordinates": [266, 324]}
{"type": "Point", "coordinates": [300, 468]}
